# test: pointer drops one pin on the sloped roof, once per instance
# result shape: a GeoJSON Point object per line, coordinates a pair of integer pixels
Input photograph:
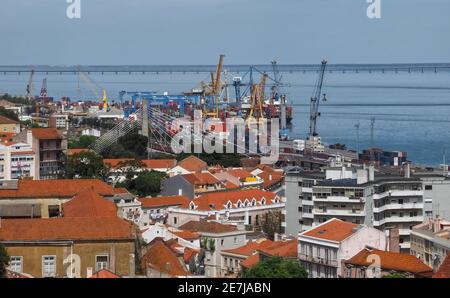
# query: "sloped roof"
{"type": "Point", "coordinates": [201, 178]}
{"type": "Point", "coordinates": [287, 249]}
{"type": "Point", "coordinates": [73, 151]}
{"type": "Point", "coordinates": [193, 164]}
{"type": "Point", "coordinates": [187, 235]}
{"type": "Point", "coordinates": [55, 188]}
{"type": "Point", "coordinates": [160, 256]}
{"type": "Point", "coordinates": [159, 163]}
{"type": "Point", "coordinates": [66, 228]}
{"type": "Point", "coordinates": [207, 227]}
{"type": "Point", "coordinates": [390, 261]}
{"type": "Point", "coordinates": [6, 120]}
{"type": "Point", "coordinates": [250, 248]}
{"type": "Point", "coordinates": [88, 203]}
{"type": "Point", "coordinates": [219, 200]}
{"type": "Point", "coordinates": [46, 133]}
{"type": "Point", "coordinates": [251, 261]}
{"type": "Point", "coordinates": [104, 273]}
{"type": "Point", "coordinates": [164, 201]}
{"type": "Point", "coordinates": [333, 230]}
{"type": "Point", "coordinates": [444, 269]}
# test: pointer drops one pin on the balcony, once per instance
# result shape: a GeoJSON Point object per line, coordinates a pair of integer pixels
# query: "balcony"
{"type": "Point", "coordinates": [344, 212]}
{"type": "Point", "coordinates": [399, 207]}
{"type": "Point", "coordinates": [308, 215]}
{"type": "Point", "coordinates": [398, 193]}
{"type": "Point", "coordinates": [318, 260]}
{"type": "Point", "coordinates": [398, 219]}
{"type": "Point", "coordinates": [307, 189]}
{"type": "Point", "coordinates": [339, 199]}
{"type": "Point", "coordinates": [307, 203]}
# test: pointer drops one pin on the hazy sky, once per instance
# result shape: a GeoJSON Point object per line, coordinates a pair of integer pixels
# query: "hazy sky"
{"type": "Point", "coordinates": [247, 31]}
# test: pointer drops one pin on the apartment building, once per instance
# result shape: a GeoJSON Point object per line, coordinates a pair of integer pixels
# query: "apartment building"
{"type": "Point", "coordinates": [49, 146]}
{"type": "Point", "coordinates": [322, 249]}
{"type": "Point", "coordinates": [59, 121]}
{"type": "Point", "coordinates": [430, 241]}
{"type": "Point", "coordinates": [8, 125]}
{"type": "Point", "coordinates": [17, 160]}
{"type": "Point", "coordinates": [299, 203]}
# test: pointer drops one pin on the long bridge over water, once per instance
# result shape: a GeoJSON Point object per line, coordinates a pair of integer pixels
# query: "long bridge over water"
{"type": "Point", "coordinates": [196, 69]}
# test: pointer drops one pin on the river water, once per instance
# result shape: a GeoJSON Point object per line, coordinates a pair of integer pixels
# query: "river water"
{"type": "Point", "coordinates": [411, 110]}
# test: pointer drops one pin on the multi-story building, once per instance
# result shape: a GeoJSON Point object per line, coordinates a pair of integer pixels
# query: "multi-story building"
{"type": "Point", "coordinates": [59, 121]}
{"type": "Point", "coordinates": [299, 203]}
{"type": "Point", "coordinates": [17, 160]}
{"type": "Point", "coordinates": [322, 249]}
{"type": "Point", "coordinates": [361, 195]}
{"type": "Point", "coordinates": [215, 238]}
{"type": "Point", "coordinates": [49, 145]}
{"type": "Point", "coordinates": [430, 241]}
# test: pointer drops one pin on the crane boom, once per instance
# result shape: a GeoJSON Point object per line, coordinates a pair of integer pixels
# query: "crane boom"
{"type": "Point", "coordinates": [315, 101]}
{"type": "Point", "coordinates": [30, 85]}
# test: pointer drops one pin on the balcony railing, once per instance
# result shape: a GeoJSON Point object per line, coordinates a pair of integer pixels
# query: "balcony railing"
{"type": "Point", "coordinates": [318, 260]}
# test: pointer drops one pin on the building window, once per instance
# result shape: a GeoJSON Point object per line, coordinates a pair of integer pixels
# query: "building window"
{"type": "Point", "coordinates": [48, 266]}
{"type": "Point", "coordinates": [15, 264]}
{"type": "Point", "coordinates": [101, 262]}
{"type": "Point", "coordinates": [428, 187]}
{"type": "Point", "coordinates": [174, 220]}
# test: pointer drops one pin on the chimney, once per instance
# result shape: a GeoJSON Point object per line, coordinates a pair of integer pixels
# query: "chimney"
{"type": "Point", "coordinates": [180, 191]}
{"type": "Point", "coordinates": [88, 272]}
{"type": "Point", "coordinates": [394, 239]}
{"type": "Point", "coordinates": [270, 177]}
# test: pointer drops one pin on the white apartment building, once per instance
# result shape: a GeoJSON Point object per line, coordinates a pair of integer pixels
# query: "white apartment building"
{"type": "Point", "coordinates": [322, 249]}
{"type": "Point", "coordinates": [17, 160]}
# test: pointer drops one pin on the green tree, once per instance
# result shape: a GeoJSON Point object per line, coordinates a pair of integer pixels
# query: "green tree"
{"type": "Point", "coordinates": [276, 267]}
{"type": "Point", "coordinates": [134, 143]}
{"type": "Point", "coordinates": [82, 142]}
{"type": "Point", "coordinates": [271, 223]}
{"type": "Point", "coordinates": [147, 183]}
{"type": "Point", "coordinates": [86, 165]}
{"type": "Point", "coordinates": [4, 260]}
{"type": "Point", "coordinates": [8, 114]}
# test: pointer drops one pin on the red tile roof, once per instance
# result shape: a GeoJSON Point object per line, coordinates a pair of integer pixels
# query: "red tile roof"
{"type": "Point", "coordinates": [46, 133]}
{"type": "Point", "coordinates": [271, 178]}
{"type": "Point", "coordinates": [160, 256]}
{"type": "Point", "coordinates": [239, 173]}
{"type": "Point", "coordinates": [164, 201]}
{"type": "Point", "coordinates": [201, 178]}
{"type": "Point", "coordinates": [208, 227]}
{"type": "Point", "coordinates": [193, 164]}
{"type": "Point", "coordinates": [57, 188]}
{"type": "Point", "coordinates": [390, 261]}
{"type": "Point", "coordinates": [333, 230]}
{"type": "Point", "coordinates": [287, 249]}
{"type": "Point", "coordinates": [188, 254]}
{"type": "Point", "coordinates": [88, 203]}
{"type": "Point", "coordinates": [5, 120]}
{"type": "Point", "coordinates": [65, 228]}
{"type": "Point", "coordinates": [73, 151]}
{"type": "Point", "coordinates": [251, 261]}
{"type": "Point", "coordinates": [444, 269]}
{"type": "Point", "coordinates": [187, 235]}
{"type": "Point", "coordinates": [250, 248]}
{"type": "Point", "coordinates": [159, 163]}
{"type": "Point", "coordinates": [219, 200]}
{"type": "Point", "coordinates": [104, 273]}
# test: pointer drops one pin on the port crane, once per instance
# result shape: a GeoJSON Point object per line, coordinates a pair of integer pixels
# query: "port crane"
{"type": "Point", "coordinates": [29, 89]}
{"type": "Point", "coordinates": [94, 88]}
{"type": "Point", "coordinates": [315, 101]}
{"type": "Point", "coordinates": [215, 88]}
